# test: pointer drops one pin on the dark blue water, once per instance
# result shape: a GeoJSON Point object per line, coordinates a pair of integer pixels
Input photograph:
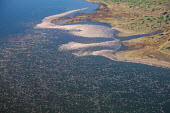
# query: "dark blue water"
{"type": "Point", "coordinates": [35, 77]}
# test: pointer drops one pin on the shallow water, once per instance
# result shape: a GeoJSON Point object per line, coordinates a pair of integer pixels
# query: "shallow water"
{"type": "Point", "coordinates": [35, 76]}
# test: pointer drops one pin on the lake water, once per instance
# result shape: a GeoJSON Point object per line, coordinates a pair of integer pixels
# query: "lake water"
{"type": "Point", "coordinates": [38, 77]}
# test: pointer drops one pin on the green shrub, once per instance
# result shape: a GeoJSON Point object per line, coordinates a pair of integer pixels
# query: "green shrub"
{"type": "Point", "coordinates": [148, 2]}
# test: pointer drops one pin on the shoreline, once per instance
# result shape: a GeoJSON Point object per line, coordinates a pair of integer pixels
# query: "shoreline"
{"type": "Point", "coordinates": [122, 31]}
{"type": "Point", "coordinates": [132, 54]}
{"type": "Point", "coordinates": [123, 55]}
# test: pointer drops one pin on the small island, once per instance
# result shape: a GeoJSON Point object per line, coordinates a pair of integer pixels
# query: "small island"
{"type": "Point", "coordinates": [134, 17]}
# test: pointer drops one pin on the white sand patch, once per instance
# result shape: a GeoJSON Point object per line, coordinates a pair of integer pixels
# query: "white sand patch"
{"type": "Point", "coordinates": [76, 45]}
{"type": "Point", "coordinates": [90, 31]}
{"type": "Point", "coordinates": [95, 53]}
{"type": "Point", "coordinates": [104, 53]}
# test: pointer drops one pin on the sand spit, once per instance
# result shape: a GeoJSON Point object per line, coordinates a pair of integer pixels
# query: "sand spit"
{"type": "Point", "coordinates": [81, 48]}
{"type": "Point", "coordinates": [84, 30]}
{"type": "Point", "coordinates": [104, 53]}
{"type": "Point", "coordinates": [75, 45]}
{"type": "Point", "coordinates": [46, 22]}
